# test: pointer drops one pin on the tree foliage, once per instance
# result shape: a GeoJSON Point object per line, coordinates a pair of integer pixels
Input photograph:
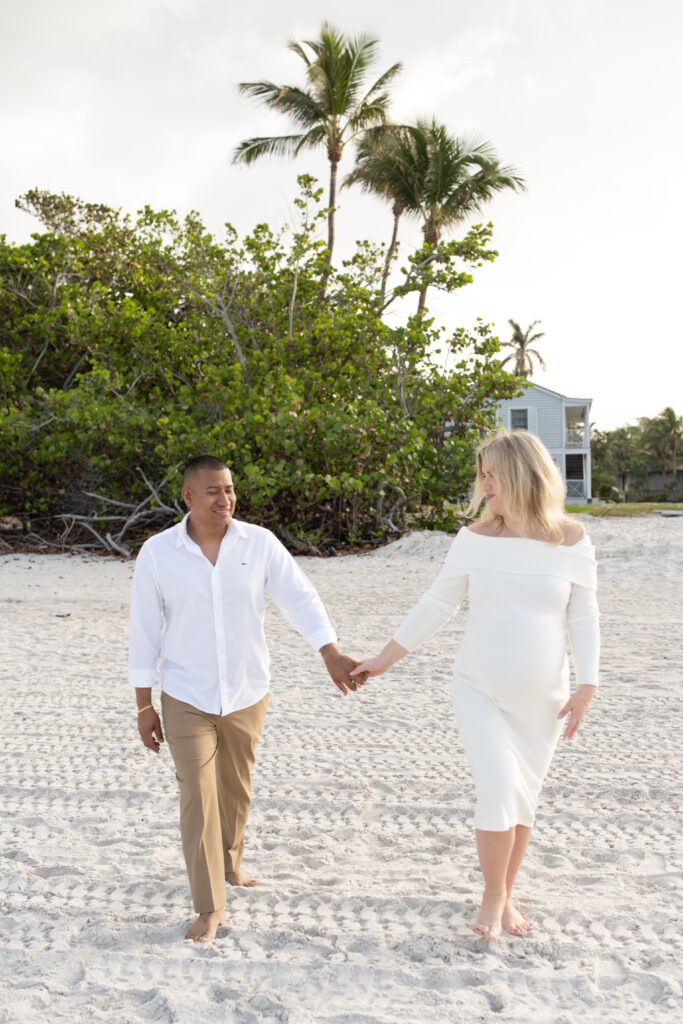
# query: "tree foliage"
{"type": "Point", "coordinates": [337, 106]}
{"type": "Point", "coordinates": [429, 174]}
{"type": "Point", "coordinates": [129, 344]}
{"type": "Point", "coordinates": [624, 459]}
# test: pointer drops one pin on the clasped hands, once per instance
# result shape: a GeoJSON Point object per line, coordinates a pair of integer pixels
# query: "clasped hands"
{"type": "Point", "coordinates": [349, 674]}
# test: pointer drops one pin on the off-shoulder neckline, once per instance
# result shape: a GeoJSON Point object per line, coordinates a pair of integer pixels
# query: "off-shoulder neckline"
{"type": "Point", "coordinates": [532, 540]}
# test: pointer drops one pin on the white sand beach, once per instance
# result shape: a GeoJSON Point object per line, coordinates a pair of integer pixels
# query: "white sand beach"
{"type": "Point", "coordinates": [361, 826]}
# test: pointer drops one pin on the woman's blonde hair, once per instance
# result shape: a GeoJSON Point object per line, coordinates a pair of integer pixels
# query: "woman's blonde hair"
{"type": "Point", "coordinates": [534, 488]}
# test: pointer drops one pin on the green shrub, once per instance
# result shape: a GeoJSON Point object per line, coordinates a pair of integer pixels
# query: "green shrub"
{"type": "Point", "coordinates": [128, 346]}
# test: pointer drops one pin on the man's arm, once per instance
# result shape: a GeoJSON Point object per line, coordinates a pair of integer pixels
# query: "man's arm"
{"type": "Point", "coordinates": [299, 602]}
{"type": "Point", "coordinates": [149, 723]}
{"type": "Point", "coordinates": [146, 624]}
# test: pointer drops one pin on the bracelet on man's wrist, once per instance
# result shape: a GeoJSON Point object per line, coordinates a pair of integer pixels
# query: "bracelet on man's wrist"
{"type": "Point", "coordinates": [146, 708]}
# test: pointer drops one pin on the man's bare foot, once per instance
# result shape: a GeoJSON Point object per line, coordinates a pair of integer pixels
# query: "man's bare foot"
{"type": "Point", "coordinates": [239, 878]}
{"type": "Point", "coordinates": [205, 927]}
{"type": "Point", "coordinates": [488, 923]}
{"type": "Point", "coordinates": [513, 921]}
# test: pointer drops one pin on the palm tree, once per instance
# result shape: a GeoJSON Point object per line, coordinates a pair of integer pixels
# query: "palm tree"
{"type": "Point", "coordinates": [623, 453]}
{"type": "Point", "coordinates": [428, 173]}
{"type": "Point", "coordinates": [335, 107]}
{"type": "Point", "coordinates": [522, 352]}
{"type": "Point", "coordinates": [376, 167]}
{"type": "Point", "coordinates": [662, 436]}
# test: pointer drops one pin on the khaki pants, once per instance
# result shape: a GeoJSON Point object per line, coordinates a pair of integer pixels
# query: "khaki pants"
{"type": "Point", "coordinates": [213, 757]}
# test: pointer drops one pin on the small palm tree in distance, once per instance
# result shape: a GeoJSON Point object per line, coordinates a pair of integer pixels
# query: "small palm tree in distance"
{"type": "Point", "coordinates": [522, 353]}
{"type": "Point", "coordinates": [335, 107]}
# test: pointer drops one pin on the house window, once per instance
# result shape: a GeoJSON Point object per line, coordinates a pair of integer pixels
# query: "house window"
{"type": "Point", "coordinates": [573, 467]}
{"type": "Point", "coordinates": [519, 419]}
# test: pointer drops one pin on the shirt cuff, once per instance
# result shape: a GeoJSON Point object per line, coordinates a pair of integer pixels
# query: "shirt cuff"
{"type": "Point", "coordinates": [325, 635]}
{"type": "Point", "coordinates": [142, 677]}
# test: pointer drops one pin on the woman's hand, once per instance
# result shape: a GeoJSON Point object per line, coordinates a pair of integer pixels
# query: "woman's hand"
{"type": "Point", "coordinates": [576, 707]}
{"type": "Point", "coordinates": [392, 653]}
{"type": "Point", "coordinates": [372, 666]}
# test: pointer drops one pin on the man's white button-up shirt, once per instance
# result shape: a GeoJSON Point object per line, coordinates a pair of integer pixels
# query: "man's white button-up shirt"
{"type": "Point", "coordinates": [206, 622]}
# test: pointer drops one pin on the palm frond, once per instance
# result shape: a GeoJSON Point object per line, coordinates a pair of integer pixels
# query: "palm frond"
{"type": "Point", "coordinates": [298, 49]}
{"type": "Point", "coordinates": [367, 116]}
{"type": "Point", "coordinates": [314, 137]}
{"type": "Point", "coordinates": [377, 87]}
{"type": "Point", "coordinates": [537, 355]}
{"type": "Point", "coordinates": [280, 145]}
{"type": "Point", "coordinates": [299, 105]}
{"type": "Point", "coordinates": [359, 56]}
{"type": "Point", "coordinates": [266, 91]}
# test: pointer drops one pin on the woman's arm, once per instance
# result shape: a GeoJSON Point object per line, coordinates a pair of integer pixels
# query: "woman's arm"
{"type": "Point", "coordinates": [387, 657]}
{"type": "Point", "coordinates": [437, 605]}
{"type": "Point", "coordinates": [584, 633]}
{"type": "Point", "coordinates": [430, 613]}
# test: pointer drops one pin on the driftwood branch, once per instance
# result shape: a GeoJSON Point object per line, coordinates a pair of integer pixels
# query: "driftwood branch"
{"type": "Point", "coordinates": [118, 523]}
{"type": "Point", "coordinates": [304, 547]}
{"type": "Point", "coordinates": [386, 519]}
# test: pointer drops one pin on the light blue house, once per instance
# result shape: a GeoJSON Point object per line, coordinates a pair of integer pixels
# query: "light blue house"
{"type": "Point", "coordinates": [563, 424]}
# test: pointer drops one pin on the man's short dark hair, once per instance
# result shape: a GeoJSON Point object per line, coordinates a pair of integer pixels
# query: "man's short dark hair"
{"type": "Point", "coordinates": [201, 462]}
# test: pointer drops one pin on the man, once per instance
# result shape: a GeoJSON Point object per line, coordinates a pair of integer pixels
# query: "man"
{"type": "Point", "coordinates": [204, 580]}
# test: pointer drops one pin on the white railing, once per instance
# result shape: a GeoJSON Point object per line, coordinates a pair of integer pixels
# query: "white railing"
{"type": "Point", "coordinates": [574, 439]}
{"type": "Point", "coordinates": [576, 489]}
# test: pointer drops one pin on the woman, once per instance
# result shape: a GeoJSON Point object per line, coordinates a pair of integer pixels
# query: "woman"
{"type": "Point", "coordinates": [529, 571]}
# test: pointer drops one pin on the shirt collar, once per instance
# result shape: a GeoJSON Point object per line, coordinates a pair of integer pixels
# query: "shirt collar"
{"type": "Point", "coordinates": [184, 540]}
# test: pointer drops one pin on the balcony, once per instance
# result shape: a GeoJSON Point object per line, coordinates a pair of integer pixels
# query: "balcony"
{"type": "Point", "coordinates": [574, 438]}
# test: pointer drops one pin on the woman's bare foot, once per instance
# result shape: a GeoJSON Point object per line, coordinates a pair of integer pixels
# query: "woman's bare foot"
{"type": "Point", "coordinates": [488, 923]}
{"type": "Point", "coordinates": [239, 878]}
{"type": "Point", "coordinates": [513, 921]}
{"type": "Point", "coordinates": [205, 927]}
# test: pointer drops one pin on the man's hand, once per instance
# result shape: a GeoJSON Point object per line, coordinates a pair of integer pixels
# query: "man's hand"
{"type": "Point", "coordinates": [339, 666]}
{"type": "Point", "coordinates": [149, 727]}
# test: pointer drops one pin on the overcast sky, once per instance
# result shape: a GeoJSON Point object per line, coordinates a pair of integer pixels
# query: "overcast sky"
{"type": "Point", "coordinates": [134, 102]}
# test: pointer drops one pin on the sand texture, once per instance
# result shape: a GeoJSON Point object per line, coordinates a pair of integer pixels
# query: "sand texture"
{"type": "Point", "coordinates": [361, 824]}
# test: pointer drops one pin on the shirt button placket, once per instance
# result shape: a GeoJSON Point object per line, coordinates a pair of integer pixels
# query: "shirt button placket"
{"type": "Point", "coordinates": [217, 594]}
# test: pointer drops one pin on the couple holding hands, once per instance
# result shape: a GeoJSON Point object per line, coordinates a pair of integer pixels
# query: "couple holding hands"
{"type": "Point", "coordinates": [198, 601]}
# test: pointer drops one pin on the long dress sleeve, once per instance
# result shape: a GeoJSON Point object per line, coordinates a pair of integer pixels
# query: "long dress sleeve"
{"type": "Point", "coordinates": [584, 633]}
{"type": "Point", "coordinates": [438, 604]}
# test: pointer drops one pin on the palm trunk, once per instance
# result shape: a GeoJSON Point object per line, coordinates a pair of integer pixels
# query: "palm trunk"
{"type": "Point", "coordinates": [431, 236]}
{"type": "Point", "coordinates": [334, 155]}
{"type": "Point", "coordinates": [397, 210]}
{"type": "Point", "coordinates": [334, 164]}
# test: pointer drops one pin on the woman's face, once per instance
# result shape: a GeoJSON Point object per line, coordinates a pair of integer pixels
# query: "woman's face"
{"type": "Point", "coordinates": [494, 491]}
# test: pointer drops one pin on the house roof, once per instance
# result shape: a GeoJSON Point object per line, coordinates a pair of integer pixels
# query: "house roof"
{"type": "Point", "coordinates": [566, 398]}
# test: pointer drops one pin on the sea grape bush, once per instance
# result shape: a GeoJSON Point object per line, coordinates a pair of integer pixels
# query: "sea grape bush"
{"type": "Point", "coordinates": [128, 344]}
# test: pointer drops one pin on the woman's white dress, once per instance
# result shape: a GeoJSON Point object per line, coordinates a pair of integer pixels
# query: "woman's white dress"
{"type": "Point", "coordinates": [511, 671]}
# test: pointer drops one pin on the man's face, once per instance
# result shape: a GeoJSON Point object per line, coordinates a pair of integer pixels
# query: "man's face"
{"type": "Point", "coordinates": [210, 496]}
